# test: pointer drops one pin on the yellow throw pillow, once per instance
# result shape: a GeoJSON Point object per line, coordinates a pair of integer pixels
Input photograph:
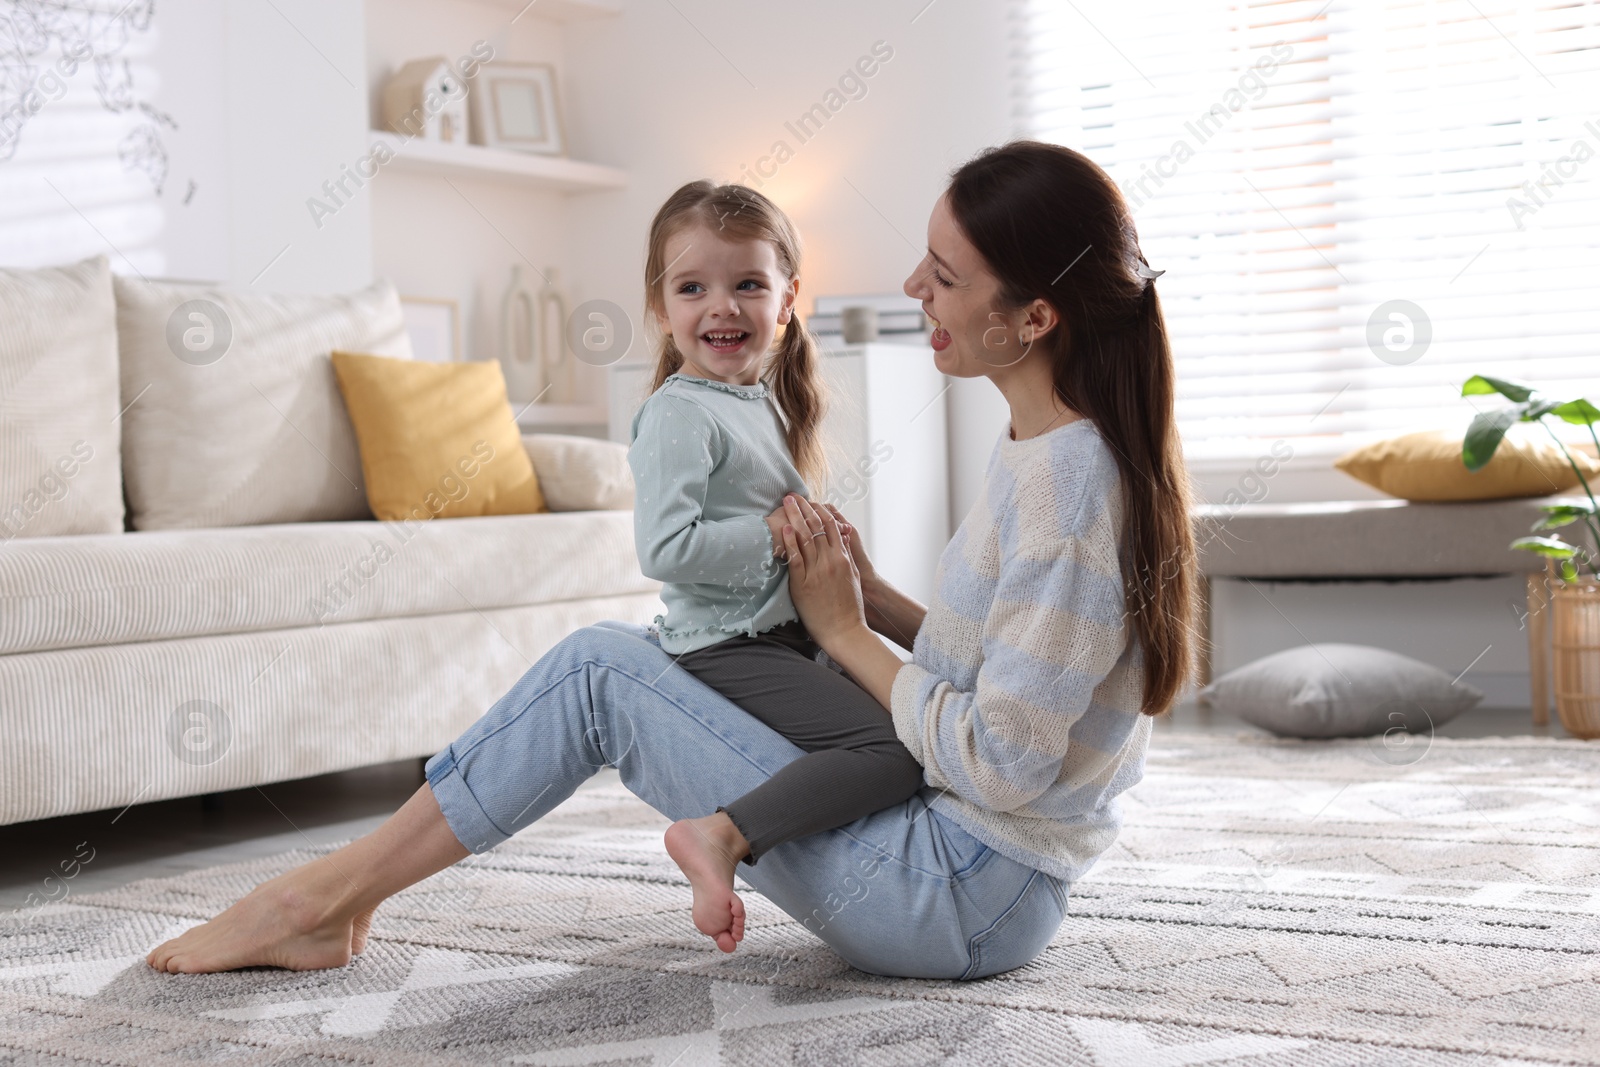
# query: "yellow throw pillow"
{"type": "Point", "coordinates": [437, 440]}
{"type": "Point", "coordinates": [1427, 467]}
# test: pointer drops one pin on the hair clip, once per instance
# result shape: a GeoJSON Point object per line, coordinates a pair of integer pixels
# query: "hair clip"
{"type": "Point", "coordinates": [1146, 271]}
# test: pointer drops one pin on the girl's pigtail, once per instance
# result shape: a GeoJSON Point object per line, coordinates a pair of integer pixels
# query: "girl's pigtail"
{"type": "Point", "coordinates": [795, 379]}
{"type": "Point", "coordinates": [668, 363]}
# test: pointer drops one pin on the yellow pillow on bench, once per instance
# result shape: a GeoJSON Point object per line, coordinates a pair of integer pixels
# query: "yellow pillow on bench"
{"type": "Point", "coordinates": [437, 440]}
{"type": "Point", "coordinates": [1427, 466]}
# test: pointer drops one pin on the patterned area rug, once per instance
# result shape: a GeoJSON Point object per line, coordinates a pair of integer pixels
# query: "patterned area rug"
{"type": "Point", "coordinates": [1269, 903]}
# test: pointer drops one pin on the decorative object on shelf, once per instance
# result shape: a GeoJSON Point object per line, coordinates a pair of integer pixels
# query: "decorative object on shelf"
{"type": "Point", "coordinates": [859, 324]}
{"type": "Point", "coordinates": [519, 340]}
{"type": "Point", "coordinates": [516, 107]}
{"type": "Point", "coordinates": [553, 355]}
{"type": "Point", "coordinates": [1574, 563]}
{"type": "Point", "coordinates": [899, 317]}
{"type": "Point", "coordinates": [427, 99]}
{"type": "Point", "coordinates": [435, 327]}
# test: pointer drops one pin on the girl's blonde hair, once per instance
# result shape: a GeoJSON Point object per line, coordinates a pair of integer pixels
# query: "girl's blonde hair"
{"type": "Point", "coordinates": [793, 370]}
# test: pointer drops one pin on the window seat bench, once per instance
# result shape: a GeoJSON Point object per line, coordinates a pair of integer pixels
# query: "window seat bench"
{"type": "Point", "coordinates": [1378, 539]}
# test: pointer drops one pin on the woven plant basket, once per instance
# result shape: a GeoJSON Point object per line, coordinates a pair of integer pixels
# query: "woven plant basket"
{"type": "Point", "coordinates": [1575, 640]}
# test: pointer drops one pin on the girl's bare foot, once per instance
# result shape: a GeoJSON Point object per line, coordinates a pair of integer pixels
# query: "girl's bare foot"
{"type": "Point", "coordinates": [358, 931]}
{"type": "Point", "coordinates": [707, 851]}
{"type": "Point", "coordinates": [283, 922]}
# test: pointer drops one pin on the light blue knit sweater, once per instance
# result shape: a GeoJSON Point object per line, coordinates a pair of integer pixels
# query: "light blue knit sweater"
{"type": "Point", "coordinates": [1022, 696]}
{"type": "Point", "coordinates": [709, 463]}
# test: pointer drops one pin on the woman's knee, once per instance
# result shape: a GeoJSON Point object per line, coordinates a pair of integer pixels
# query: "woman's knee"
{"type": "Point", "coordinates": [603, 642]}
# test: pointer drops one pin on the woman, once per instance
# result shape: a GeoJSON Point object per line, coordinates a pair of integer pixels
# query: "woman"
{"type": "Point", "coordinates": [1059, 627]}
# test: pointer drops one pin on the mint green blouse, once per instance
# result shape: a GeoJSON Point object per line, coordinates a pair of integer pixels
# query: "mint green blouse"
{"type": "Point", "coordinates": [710, 463]}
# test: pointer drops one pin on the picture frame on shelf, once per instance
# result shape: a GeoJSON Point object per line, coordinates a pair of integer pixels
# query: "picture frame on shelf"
{"type": "Point", "coordinates": [434, 324]}
{"type": "Point", "coordinates": [516, 106]}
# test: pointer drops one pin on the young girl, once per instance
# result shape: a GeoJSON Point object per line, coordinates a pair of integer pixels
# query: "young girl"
{"type": "Point", "coordinates": [729, 429]}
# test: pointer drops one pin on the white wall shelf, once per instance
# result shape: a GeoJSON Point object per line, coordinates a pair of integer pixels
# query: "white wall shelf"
{"type": "Point", "coordinates": [556, 173]}
{"type": "Point", "coordinates": [561, 10]}
{"type": "Point", "coordinates": [533, 417]}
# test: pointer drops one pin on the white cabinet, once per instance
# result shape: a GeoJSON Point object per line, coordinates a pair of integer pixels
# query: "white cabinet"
{"type": "Point", "coordinates": [889, 466]}
{"type": "Point", "coordinates": [887, 454]}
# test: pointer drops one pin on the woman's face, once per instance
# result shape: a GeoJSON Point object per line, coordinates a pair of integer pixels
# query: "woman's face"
{"type": "Point", "coordinates": [960, 294]}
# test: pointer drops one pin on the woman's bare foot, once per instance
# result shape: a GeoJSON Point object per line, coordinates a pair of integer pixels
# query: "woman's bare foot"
{"type": "Point", "coordinates": [707, 851]}
{"type": "Point", "coordinates": [283, 922]}
{"type": "Point", "coordinates": [320, 914]}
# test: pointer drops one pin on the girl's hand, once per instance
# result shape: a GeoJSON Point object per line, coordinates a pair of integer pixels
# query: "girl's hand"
{"type": "Point", "coordinates": [823, 582]}
{"type": "Point", "coordinates": [775, 523]}
{"type": "Point", "coordinates": [858, 551]}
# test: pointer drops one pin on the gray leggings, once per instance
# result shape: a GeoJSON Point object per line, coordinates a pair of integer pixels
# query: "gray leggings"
{"type": "Point", "coordinates": [854, 764]}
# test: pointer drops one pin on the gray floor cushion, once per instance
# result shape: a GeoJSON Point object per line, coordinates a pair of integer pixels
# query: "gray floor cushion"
{"type": "Point", "coordinates": [1333, 690]}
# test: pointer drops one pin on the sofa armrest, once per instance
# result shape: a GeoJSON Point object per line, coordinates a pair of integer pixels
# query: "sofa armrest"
{"type": "Point", "coordinates": [580, 473]}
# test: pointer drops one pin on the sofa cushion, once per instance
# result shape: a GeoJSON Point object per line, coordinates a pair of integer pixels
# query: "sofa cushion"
{"type": "Point", "coordinates": [437, 439]}
{"type": "Point", "coordinates": [60, 445]}
{"type": "Point", "coordinates": [1427, 466]}
{"type": "Point", "coordinates": [234, 417]}
{"type": "Point", "coordinates": [75, 592]}
{"type": "Point", "coordinates": [581, 473]}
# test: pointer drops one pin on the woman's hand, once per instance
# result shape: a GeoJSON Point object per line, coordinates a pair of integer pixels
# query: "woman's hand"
{"type": "Point", "coordinates": [776, 521]}
{"type": "Point", "coordinates": [858, 551]}
{"type": "Point", "coordinates": [823, 581]}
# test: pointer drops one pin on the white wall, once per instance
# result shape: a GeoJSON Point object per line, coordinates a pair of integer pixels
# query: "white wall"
{"type": "Point", "coordinates": [232, 113]}
{"type": "Point", "coordinates": [703, 89]}
{"type": "Point", "coordinates": [297, 113]}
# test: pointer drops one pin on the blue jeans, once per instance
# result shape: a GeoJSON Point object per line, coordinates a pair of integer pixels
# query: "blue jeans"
{"type": "Point", "coordinates": [903, 892]}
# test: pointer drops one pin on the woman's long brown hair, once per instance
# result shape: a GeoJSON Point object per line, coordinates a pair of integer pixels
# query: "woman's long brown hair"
{"type": "Point", "coordinates": [793, 371]}
{"type": "Point", "coordinates": [1053, 226]}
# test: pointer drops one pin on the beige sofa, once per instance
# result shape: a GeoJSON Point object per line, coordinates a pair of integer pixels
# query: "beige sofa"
{"type": "Point", "coordinates": [228, 649]}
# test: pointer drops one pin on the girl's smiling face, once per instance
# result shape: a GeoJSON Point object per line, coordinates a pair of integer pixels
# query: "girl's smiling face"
{"type": "Point", "coordinates": [722, 300]}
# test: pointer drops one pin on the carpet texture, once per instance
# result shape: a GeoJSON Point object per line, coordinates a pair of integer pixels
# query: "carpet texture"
{"type": "Point", "coordinates": [1269, 903]}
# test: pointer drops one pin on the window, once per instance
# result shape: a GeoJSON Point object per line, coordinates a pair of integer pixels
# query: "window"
{"type": "Point", "coordinates": [1359, 203]}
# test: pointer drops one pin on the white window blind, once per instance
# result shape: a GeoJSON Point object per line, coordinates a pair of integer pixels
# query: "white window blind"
{"type": "Point", "coordinates": [1297, 165]}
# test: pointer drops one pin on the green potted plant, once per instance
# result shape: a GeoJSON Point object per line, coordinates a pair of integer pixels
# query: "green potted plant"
{"type": "Point", "coordinates": [1575, 599]}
